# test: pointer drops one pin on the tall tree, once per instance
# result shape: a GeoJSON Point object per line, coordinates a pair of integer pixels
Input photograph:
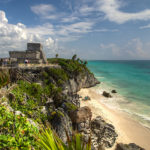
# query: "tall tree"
{"type": "Point", "coordinates": [56, 55]}
{"type": "Point", "coordinates": [74, 57]}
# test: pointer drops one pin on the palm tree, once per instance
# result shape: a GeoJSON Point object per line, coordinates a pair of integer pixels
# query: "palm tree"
{"type": "Point", "coordinates": [56, 55]}
{"type": "Point", "coordinates": [74, 57]}
{"type": "Point", "coordinates": [85, 63]}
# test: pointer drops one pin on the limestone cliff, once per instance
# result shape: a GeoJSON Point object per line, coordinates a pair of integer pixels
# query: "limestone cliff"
{"type": "Point", "coordinates": [48, 94]}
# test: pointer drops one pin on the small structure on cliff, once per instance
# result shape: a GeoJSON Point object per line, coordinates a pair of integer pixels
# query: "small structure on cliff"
{"type": "Point", "coordinates": [34, 54]}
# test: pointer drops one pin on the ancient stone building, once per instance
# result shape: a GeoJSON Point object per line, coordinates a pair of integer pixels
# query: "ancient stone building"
{"type": "Point", "coordinates": [34, 54]}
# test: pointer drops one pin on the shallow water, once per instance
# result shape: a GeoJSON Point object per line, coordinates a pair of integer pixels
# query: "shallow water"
{"type": "Point", "coordinates": [131, 79]}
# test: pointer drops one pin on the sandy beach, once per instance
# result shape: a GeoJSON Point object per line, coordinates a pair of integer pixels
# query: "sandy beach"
{"type": "Point", "coordinates": [129, 130]}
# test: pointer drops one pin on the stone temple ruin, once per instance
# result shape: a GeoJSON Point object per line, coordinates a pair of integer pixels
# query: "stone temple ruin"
{"type": "Point", "coordinates": [34, 54]}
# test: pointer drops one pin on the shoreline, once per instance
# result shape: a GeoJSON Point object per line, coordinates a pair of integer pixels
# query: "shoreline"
{"type": "Point", "coordinates": [129, 130]}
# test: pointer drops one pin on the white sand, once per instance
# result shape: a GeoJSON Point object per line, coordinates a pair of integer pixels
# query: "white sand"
{"type": "Point", "coordinates": [129, 130]}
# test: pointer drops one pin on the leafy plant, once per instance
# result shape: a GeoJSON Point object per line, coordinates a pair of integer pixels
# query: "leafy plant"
{"type": "Point", "coordinates": [15, 131]}
{"type": "Point", "coordinates": [48, 140]}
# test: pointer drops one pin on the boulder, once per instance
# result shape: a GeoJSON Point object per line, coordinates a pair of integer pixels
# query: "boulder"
{"type": "Point", "coordinates": [131, 146]}
{"type": "Point", "coordinates": [81, 115]}
{"type": "Point", "coordinates": [62, 124]}
{"type": "Point", "coordinates": [113, 91]}
{"type": "Point", "coordinates": [106, 94]}
{"type": "Point", "coordinates": [103, 133]}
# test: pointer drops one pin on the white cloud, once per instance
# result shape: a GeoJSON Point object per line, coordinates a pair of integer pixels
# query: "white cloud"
{"type": "Point", "coordinates": [145, 27]}
{"type": "Point", "coordinates": [111, 9]}
{"type": "Point", "coordinates": [42, 9]}
{"type": "Point", "coordinates": [45, 11]}
{"type": "Point", "coordinates": [134, 49]}
{"type": "Point", "coordinates": [15, 37]}
{"type": "Point", "coordinates": [73, 31]}
{"type": "Point", "coordinates": [86, 10]}
{"type": "Point", "coordinates": [70, 19]}
{"type": "Point", "coordinates": [3, 18]}
{"type": "Point", "coordinates": [115, 50]}
{"type": "Point", "coordinates": [42, 30]}
{"type": "Point", "coordinates": [137, 49]}
{"type": "Point", "coordinates": [105, 30]}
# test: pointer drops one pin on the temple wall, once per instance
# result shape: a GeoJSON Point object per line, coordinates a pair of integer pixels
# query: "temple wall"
{"type": "Point", "coordinates": [25, 54]}
{"type": "Point", "coordinates": [17, 54]}
{"type": "Point", "coordinates": [34, 47]}
{"type": "Point", "coordinates": [34, 54]}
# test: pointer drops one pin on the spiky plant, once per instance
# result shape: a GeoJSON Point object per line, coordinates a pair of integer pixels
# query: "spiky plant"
{"type": "Point", "coordinates": [48, 140]}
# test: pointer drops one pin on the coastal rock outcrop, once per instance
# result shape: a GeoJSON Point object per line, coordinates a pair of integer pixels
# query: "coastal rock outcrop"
{"type": "Point", "coordinates": [106, 94]}
{"type": "Point", "coordinates": [78, 82]}
{"type": "Point", "coordinates": [113, 91]}
{"type": "Point", "coordinates": [81, 115]}
{"type": "Point", "coordinates": [131, 146]}
{"type": "Point", "coordinates": [61, 123]}
{"type": "Point", "coordinates": [81, 120]}
{"type": "Point", "coordinates": [103, 134]}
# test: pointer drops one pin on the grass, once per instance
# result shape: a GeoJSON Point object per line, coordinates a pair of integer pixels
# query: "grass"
{"type": "Point", "coordinates": [4, 78]}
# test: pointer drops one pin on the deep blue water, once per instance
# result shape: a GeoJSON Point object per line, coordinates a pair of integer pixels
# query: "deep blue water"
{"type": "Point", "coordinates": [130, 78]}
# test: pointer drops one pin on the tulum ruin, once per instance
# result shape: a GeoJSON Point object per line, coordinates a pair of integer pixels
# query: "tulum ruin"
{"type": "Point", "coordinates": [34, 54]}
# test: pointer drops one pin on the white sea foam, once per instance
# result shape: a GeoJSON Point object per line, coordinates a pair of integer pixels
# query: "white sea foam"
{"type": "Point", "coordinates": [134, 109]}
{"type": "Point", "coordinates": [99, 77]}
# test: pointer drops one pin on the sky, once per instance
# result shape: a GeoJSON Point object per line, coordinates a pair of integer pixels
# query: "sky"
{"type": "Point", "coordinates": [92, 29]}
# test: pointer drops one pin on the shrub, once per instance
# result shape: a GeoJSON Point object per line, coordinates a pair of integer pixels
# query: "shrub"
{"type": "Point", "coordinates": [4, 78]}
{"type": "Point", "coordinates": [56, 114]}
{"type": "Point", "coordinates": [28, 99]}
{"type": "Point", "coordinates": [70, 107]}
{"type": "Point", "coordinates": [58, 74]}
{"type": "Point", "coordinates": [15, 131]}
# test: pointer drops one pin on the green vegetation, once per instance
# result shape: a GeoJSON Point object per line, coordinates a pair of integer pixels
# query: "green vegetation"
{"type": "Point", "coordinates": [54, 79]}
{"type": "Point", "coordinates": [58, 74]}
{"type": "Point", "coordinates": [56, 114]}
{"type": "Point", "coordinates": [15, 131]}
{"type": "Point", "coordinates": [56, 55]}
{"type": "Point", "coordinates": [4, 78]}
{"type": "Point", "coordinates": [71, 66]}
{"type": "Point", "coordinates": [70, 107]}
{"type": "Point", "coordinates": [28, 99]}
{"type": "Point", "coordinates": [74, 57]}
{"type": "Point", "coordinates": [48, 140]}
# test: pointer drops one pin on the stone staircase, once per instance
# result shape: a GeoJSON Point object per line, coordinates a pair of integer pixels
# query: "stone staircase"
{"type": "Point", "coordinates": [23, 76]}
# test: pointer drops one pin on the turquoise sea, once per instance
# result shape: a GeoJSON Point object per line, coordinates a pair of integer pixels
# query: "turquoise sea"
{"type": "Point", "coordinates": [131, 79]}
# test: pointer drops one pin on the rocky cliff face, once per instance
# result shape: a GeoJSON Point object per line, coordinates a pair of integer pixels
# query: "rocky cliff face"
{"type": "Point", "coordinates": [62, 107]}
{"type": "Point", "coordinates": [72, 85]}
{"type": "Point", "coordinates": [76, 83]}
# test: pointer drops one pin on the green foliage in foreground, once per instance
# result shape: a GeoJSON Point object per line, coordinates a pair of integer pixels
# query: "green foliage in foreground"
{"type": "Point", "coordinates": [4, 78]}
{"type": "Point", "coordinates": [48, 140]}
{"type": "Point", "coordinates": [15, 131]}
